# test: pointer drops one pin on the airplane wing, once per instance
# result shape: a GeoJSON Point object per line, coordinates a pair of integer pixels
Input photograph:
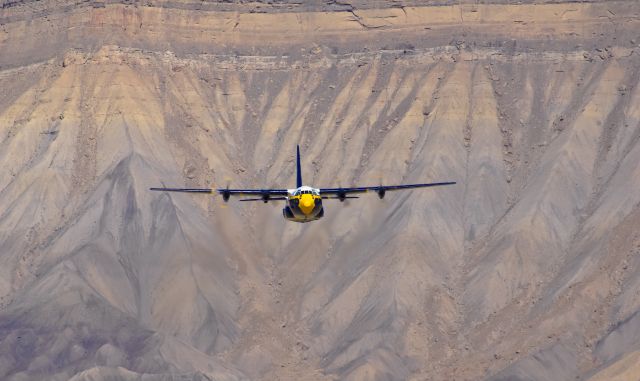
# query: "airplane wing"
{"type": "Point", "coordinates": [187, 190]}
{"type": "Point", "coordinates": [264, 194]}
{"type": "Point", "coordinates": [341, 193]}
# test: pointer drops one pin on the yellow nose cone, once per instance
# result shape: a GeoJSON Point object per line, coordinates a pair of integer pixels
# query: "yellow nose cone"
{"type": "Point", "coordinates": [306, 204]}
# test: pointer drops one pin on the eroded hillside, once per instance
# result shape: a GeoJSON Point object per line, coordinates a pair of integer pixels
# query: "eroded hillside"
{"type": "Point", "coordinates": [527, 269]}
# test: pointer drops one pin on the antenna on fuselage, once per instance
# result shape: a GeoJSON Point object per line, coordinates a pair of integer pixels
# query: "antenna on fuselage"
{"type": "Point", "coordinates": [299, 170]}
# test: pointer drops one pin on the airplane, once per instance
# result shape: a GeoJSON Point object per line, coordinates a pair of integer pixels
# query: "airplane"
{"type": "Point", "coordinates": [303, 203]}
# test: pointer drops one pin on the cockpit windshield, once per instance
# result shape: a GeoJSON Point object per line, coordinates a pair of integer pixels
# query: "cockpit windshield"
{"type": "Point", "coordinates": [306, 191]}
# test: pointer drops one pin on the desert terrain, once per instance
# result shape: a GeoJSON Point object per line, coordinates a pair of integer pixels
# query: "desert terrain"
{"type": "Point", "coordinates": [527, 269]}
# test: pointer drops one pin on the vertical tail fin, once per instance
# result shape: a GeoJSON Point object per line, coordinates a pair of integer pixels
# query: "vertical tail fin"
{"type": "Point", "coordinates": [299, 171]}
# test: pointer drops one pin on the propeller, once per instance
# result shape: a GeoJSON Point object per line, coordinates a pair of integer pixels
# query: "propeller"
{"type": "Point", "coordinates": [225, 194]}
{"type": "Point", "coordinates": [380, 191]}
{"type": "Point", "coordinates": [341, 195]}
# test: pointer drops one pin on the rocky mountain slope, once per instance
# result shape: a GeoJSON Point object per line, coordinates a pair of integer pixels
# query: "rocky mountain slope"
{"type": "Point", "coordinates": [527, 269]}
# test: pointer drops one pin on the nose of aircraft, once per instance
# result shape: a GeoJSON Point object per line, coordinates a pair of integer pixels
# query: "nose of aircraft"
{"type": "Point", "coordinates": [306, 203]}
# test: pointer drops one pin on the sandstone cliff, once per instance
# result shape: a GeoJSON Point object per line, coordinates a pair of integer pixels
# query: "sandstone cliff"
{"type": "Point", "coordinates": [527, 269]}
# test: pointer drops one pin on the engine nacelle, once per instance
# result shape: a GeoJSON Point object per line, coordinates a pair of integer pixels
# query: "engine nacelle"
{"type": "Point", "coordinates": [265, 197]}
{"type": "Point", "coordinates": [381, 193]}
{"type": "Point", "coordinates": [341, 196]}
{"type": "Point", "coordinates": [226, 195]}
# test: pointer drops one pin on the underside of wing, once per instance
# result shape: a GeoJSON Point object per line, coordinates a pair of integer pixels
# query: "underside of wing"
{"type": "Point", "coordinates": [186, 190]}
{"type": "Point", "coordinates": [252, 192]}
{"type": "Point", "coordinates": [265, 194]}
{"type": "Point", "coordinates": [263, 200]}
{"type": "Point", "coordinates": [341, 193]}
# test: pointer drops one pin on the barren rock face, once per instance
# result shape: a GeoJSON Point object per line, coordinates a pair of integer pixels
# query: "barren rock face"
{"type": "Point", "coordinates": [526, 269]}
